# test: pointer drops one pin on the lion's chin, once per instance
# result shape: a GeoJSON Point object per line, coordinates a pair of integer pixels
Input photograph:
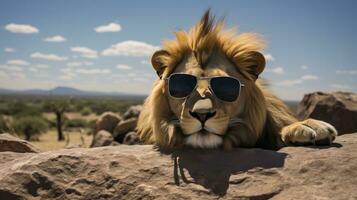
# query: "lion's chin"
{"type": "Point", "coordinates": [204, 140]}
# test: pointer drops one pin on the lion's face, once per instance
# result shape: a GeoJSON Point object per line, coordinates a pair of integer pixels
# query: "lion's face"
{"type": "Point", "coordinates": [205, 119]}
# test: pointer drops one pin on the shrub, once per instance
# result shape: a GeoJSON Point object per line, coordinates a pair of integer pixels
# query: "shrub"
{"type": "Point", "coordinates": [30, 126]}
{"type": "Point", "coordinates": [76, 123]}
{"type": "Point", "coordinates": [91, 126]}
{"type": "Point", "coordinates": [18, 108]}
{"type": "Point", "coordinates": [4, 125]}
{"type": "Point", "coordinates": [86, 111]}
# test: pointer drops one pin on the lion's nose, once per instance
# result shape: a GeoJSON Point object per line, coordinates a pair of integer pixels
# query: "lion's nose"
{"type": "Point", "coordinates": [203, 110]}
{"type": "Point", "coordinates": [202, 116]}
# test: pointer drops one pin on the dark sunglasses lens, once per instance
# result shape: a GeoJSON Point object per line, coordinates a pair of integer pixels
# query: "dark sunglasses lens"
{"type": "Point", "coordinates": [225, 88]}
{"type": "Point", "coordinates": [181, 85]}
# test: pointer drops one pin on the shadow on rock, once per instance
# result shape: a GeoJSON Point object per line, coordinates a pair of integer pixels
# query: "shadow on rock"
{"type": "Point", "coordinates": [212, 168]}
{"type": "Point", "coordinates": [333, 145]}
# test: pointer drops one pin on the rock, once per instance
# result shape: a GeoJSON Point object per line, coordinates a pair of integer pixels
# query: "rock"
{"type": "Point", "coordinates": [337, 108]}
{"type": "Point", "coordinates": [133, 111]}
{"type": "Point", "coordinates": [140, 172]}
{"type": "Point", "coordinates": [102, 138]}
{"type": "Point", "coordinates": [107, 121]}
{"type": "Point", "coordinates": [123, 128]}
{"type": "Point", "coordinates": [14, 144]}
{"type": "Point", "coordinates": [131, 138]}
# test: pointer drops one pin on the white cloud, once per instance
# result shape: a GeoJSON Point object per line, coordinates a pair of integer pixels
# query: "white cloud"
{"type": "Point", "coordinates": [85, 52]}
{"type": "Point", "coordinates": [340, 87]}
{"type": "Point", "coordinates": [33, 69]}
{"type": "Point", "coordinates": [141, 79]}
{"type": "Point", "coordinates": [51, 57]}
{"type": "Point", "coordinates": [74, 64]}
{"type": "Point", "coordinates": [269, 57]}
{"type": "Point", "coordinates": [17, 62]}
{"type": "Point", "coordinates": [77, 64]}
{"type": "Point", "coordinates": [41, 66]}
{"type": "Point", "coordinates": [18, 75]}
{"type": "Point", "coordinates": [304, 67]}
{"type": "Point", "coordinates": [65, 77]}
{"type": "Point", "coordinates": [111, 27]}
{"type": "Point", "coordinates": [93, 71]}
{"type": "Point", "coordinates": [277, 70]}
{"type": "Point", "coordinates": [87, 63]}
{"type": "Point", "coordinates": [145, 62]}
{"type": "Point", "coordinates": [123, 67]}
{"type": "Point", "coordinates": [67, 70]}
{"type": "Point", "coordinates": [347, 72]}
{"type": "Point", "coordinates": [9, 50]}
{"type": "Point", "coordinates": [132, 75]}
{"type": "Point", "coordinates": [21, 28]}
{"type": "Point", "coordinates": [11, 68]}
{"type": "Point", "coordinates": [303, 78]}
{"type": "Point", "coordinates": [289, 82]}
{"type": "Point", "coordinates": [130, 48]}
{"type": "Point", "coordinates": [309, 77]}
{"type": "Point", "coordinates": [56, 38]}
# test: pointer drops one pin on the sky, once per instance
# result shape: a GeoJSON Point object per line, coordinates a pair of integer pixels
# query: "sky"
{"type": "Point", "coordinates": [106, 45]}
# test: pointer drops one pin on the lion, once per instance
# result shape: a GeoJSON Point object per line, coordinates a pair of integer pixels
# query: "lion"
{"type": "Point", "coordinates": [256, 118]}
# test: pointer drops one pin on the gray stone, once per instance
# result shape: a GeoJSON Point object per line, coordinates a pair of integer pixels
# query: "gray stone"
{"type": "Point", "coordinates": [336, 108]}
{"type": "Point", "coordinates": [11, 143]}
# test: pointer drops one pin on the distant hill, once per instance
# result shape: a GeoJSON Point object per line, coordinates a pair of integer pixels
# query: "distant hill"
{"type": "Point", "coordinates": [63, 91]}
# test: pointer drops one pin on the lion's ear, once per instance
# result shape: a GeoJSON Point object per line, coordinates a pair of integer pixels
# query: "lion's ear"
{"type": "Point", "coordinates": [258, 64]}
{"type": "Point", "coordinates": [157, 61]}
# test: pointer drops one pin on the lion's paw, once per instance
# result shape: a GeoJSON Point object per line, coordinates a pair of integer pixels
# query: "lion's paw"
{"type": "Point", "coordinates": [309, 132]}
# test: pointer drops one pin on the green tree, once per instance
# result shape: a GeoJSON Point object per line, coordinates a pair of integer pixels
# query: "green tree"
{"type": "Point", "coordinates": [58, 107]}
{"type": "Point", "coordinates": [29, 126]}
{"type": "Point", "coordinates": [86, 111]}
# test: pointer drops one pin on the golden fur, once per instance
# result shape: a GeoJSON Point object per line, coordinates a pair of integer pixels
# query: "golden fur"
{"type": "Point", "coordinates": [207, 50]}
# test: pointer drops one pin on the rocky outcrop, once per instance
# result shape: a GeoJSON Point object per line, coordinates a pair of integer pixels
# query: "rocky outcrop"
{"type": "Point", "coordinates": [131, 138]}
{"type": "Point", "coordinates": [140, 172]}
{"type": "Point", "coordinates": [118, 127]}
{"type": "Point", "coordinates": [107, 121]}
{"type": "Point", "coordinates": [123, 128]}
{"type": "Point", "coordinates": [103, 138]}
{"type": "Point", "coordinates": [133, 112]}
{"type": "Point", "coordinates": [337, 108]}
{"type": "Point", "coordinates": [14, 144]}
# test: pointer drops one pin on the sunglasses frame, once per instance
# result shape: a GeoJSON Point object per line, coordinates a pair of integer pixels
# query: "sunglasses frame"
{"type": "Point", "coordinates": [167, 79]}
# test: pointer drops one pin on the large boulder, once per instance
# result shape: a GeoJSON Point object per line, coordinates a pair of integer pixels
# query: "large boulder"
{"type": "Point", "coordinates": [337, 108]}
{"type": "Point", "coordinates": [107, 121]}
{"type": "Point", "coordinates": [102, 138]}
{"type": "Point", "coordinates": [133, 112]}
{"type": "Point", "coordinates": [14, 144]}
{"type": "Point", "coordinates": [123, 128]}
{"type": "Point", "coordinates": [140, 172]}
{"type": "Point", "coordinates": [131, 138]}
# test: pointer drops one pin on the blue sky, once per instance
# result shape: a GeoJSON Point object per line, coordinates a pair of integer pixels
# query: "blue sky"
{"type": "Point", "coordinates": [106, 45]}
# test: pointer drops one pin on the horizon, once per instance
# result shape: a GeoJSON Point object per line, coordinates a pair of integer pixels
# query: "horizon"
{"type": "Point", "coordinates": [107, 46]}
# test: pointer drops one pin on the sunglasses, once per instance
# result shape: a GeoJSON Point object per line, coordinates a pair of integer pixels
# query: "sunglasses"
{"type": "Point", "coordinates": [225, 88]}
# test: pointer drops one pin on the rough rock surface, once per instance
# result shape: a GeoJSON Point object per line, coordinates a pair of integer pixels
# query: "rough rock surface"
{"type": "Point", "coordinates": [123, 128]}
{"type": "Point", "coordinates": [102, 138]}
{"type": "Point", "coordinates": [107, 121]}
{"type": "Point", "coordinates": [14, 144]}
{"type": "Point", "coordinates": [133, 111]}
{"type": "Point", "coordinates": [140, 172]}
{"type": "Point", "coordinates": [337, 108]}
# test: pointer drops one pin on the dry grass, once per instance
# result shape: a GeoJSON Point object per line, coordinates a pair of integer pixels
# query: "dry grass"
{"type": "Point", "coordinates": [48, 141]}
{"type": "Point", "coordinates": [71, 115]}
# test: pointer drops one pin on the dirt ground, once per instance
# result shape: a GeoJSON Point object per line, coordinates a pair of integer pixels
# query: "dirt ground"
{"type": "Point", "coordinates": [48, 141]}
